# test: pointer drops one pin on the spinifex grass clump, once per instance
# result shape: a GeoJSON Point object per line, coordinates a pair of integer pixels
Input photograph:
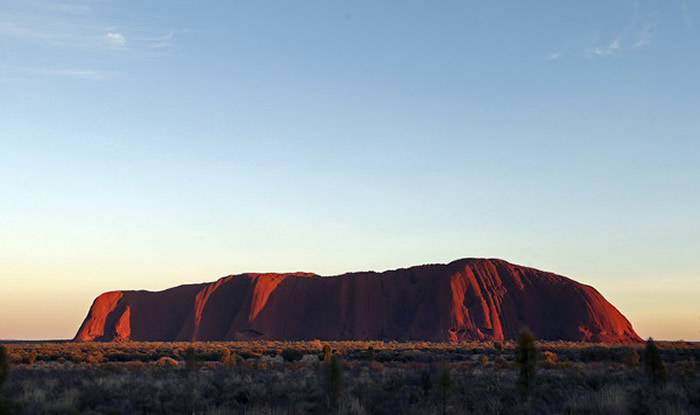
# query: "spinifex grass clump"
{"type": "Point", "coordinates": [526, 358]}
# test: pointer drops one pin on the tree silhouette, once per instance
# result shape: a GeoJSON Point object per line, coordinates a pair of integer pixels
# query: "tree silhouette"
{"type": "Point", "coordinates": [526, 358]}
{"type": "Point", "coordinates": [653, 365]}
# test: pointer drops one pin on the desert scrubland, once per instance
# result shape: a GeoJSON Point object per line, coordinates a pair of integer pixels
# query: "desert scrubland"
{"type": "Point", "coordinates": [316, 377]}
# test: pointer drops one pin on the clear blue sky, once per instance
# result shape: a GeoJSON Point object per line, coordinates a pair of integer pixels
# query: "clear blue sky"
{"type": "Point", "coordinates": [149, 144]}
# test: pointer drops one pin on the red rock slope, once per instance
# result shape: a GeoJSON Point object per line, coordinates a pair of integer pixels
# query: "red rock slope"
{"type": "Point", "coordinates": [468, 299]}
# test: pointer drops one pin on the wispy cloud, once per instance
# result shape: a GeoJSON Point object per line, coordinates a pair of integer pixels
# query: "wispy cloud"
{"type": "Point", "coordinates": [55, 35]}
{"type": "Point", "coordinates": [27, 73]}
{"type": "Point", "coordinates": [607, 50]}
{"type": "Point", "coordinates": [160, 42]}
{"type": "Point", "coordinates": [553, 56]}
{"type": "Point", "coordinates": [645, 36]}
{"type": "Point", "coordinates": [77, 25]}
{"type": "Point", "coordinates": [90, 75]}
{"type": "Point", "coordinates": [73, 27]}
{"type": "Point", "coordinates": [116, 40]}
{"type": "Point", "coordinates": [638, 33]}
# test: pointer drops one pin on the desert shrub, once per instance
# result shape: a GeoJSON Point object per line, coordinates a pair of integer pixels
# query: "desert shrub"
{"type": "Point", "coordinates": [166, 361]}
{"type": "Point", "coordinates": [653, 365]}
{"type": "Point", "coordinates": [242, 398]}
{"type": "Point", "coordinates": [95, 358]}
{"type": "Point", "coordinates": [315, 344]}
{"type": "Point", "coordinates": [30, 357]}
{"type": "Point", "coordinates": [484, 360]}
{"type": "Point", "coordinates": [599, 354]}
{"type": "Point", "coordinates": [630, 357]}
{"type": "Point", "coordinates": [292, 355]}
{"type": "Point", "coordinates": [327, 353]}
{"type": "Point", "coordinates": [228, 357]}
{"type": "Point", "coordinates": [14, 357]}
{"type": "Point", "coordinates": [688, 370]}
{"type": "Point", "coordinates": [353, 407]}
{"type": "Point", "coordinates": [609, 399]}
{"type": "Point", "coordinates": [376, 366]}
{"type": "Point", "coordinates": [208, 355]}
{"type": "Point", "coordinates": [501, 362]}
{"type": "Point", "coordinates": [75, 356]}
{"type": "Point", "coordinates": [612, 400]}
{"type": "Point", "coordinates": [526, 358]}
{"type": "Point", "coordinates": [65, 403]}
{"type": "Point", "coordinates": [549, 358]}
{"type": "Point", "coordinates": [384, 356]}
{"type": "Point", "coordinates": [566, 364]}
{"type": "Point", "coordinates": [245, 354]}
{"type": "Point", "coordinates": [119, 357]}
{"type": "Point", "coordinates": [262, 364]}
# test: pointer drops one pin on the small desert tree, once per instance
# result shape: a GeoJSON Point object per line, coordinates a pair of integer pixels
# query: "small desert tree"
{"type": "Point", "coordinates": [526, 358]}
{"type": "Point", "coordinates": [4, 370]}
{"type": "Point", "coordinates": [4, 365]}
{"type": "Point", "coordinates": [191, 361]}
{"type": "Point", "coordinates": [653, 365]}
{"type": "Point", "coordinates": [370, 354]}
{"type": "Point", "coordinates": [334, 383]}
{"type": "Point", "coordinates": [445, 386]}
{"type": "Point", "coordinates": [426, 382]}
{"type": "Point", "coordinates": [327, 353]}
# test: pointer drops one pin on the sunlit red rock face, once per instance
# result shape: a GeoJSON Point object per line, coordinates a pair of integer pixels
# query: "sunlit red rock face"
{"type": "Point", "coordinates": [468, 299]}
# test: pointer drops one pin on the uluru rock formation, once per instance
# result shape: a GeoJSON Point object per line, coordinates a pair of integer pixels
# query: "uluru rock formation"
{"type": "Point", "coordinates": [468, 299]}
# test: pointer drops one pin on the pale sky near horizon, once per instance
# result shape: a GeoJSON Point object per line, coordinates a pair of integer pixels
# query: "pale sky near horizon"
{"type": "Point", "coordinates": [151, 144]}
